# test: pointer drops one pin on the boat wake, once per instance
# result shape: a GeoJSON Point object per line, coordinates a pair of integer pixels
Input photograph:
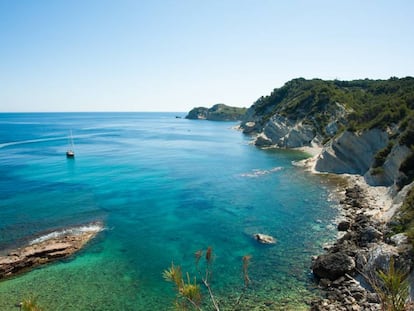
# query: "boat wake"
{"type": "Point", "coordinates": [257, 173]}
{"type": "Point", "coordinates": [40, 140]}
{"type": "Point", "coordinates": [92, 227]}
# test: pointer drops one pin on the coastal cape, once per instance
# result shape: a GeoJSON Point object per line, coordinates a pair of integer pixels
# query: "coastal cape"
{"type": "Point", "coordinates": [218, 112]}
{"type": "Point", "coordinates": [363, 130]}
{"type": "Point", "coordinates": [48, 248]}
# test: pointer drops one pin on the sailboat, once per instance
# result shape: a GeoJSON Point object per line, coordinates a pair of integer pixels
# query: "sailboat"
{"type": "Point", "coordinates": [70, 153]}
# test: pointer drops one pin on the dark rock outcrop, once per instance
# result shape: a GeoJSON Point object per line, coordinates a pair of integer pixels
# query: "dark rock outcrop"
{"type": "Point", "coordinates": [344, 225]}
{"type": "Point", "coordinates": [333, 265]}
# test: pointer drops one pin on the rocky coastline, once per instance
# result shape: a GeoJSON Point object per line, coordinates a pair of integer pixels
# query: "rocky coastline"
{"type": "Point", "coordinates": [54, 246]}
{"type": "Point", "coordinates": [365, 245]}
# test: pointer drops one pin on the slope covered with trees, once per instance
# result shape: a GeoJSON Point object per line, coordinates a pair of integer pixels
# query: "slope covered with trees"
{"type": "Point", "coordinates": [368, 103]}
{"type": "Point", "coordinates": [307, 112]}
{"type": "Point", "coordinates": [218, 112]}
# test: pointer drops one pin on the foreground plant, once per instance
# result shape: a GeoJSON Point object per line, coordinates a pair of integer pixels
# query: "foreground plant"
{"type": "Point", "coordinates": [30, 304]}
{"type": "Point", "coordinates": [189, 293]}
{"type": "Point", "coordinates": [392, 287]}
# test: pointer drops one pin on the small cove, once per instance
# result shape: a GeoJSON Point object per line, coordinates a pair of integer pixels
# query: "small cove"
{"type": "Point", "coordinates": [164, 188]}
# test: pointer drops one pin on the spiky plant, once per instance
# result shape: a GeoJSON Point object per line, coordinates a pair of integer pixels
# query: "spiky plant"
{"type": "Point", "coordinates": [392, 288]}
{"type": "Point", "coordinates": [191, 291]}
{"type": "Point", "coordinates": [30, 304]}
{"type": "Point", "coordinates": [174, 275]}
{"type": "Point", "coordinates": [187, 293]}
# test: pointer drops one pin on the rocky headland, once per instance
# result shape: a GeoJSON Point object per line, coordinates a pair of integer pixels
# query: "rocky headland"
{"type": "Point", "coordinates": [48, 248]}
{"type": "Point", "coordinates": [364, 131]}
{"type": "Point", "coordinates": [218, 112]}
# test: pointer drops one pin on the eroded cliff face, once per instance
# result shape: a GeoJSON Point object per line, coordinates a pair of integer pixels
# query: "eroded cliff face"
{"type": "Point", "coordinates": [354, 153]}
{"type": "Point", "coordinates": [351, 153]}
{"type": "Point", "coordinates": [293, 131]}
{"type": "Point", "coordinates": [314, 113]}
{"type": "Point", "coordinates": [390, 170]}
{"type": "Point", "coordinates": [284, 133]}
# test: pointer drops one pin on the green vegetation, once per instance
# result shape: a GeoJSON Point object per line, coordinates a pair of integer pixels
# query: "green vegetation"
{"type": "Point", "coordinates": [348, 105]}
{"type": "Point", "coordinates": [219, 112]}
{"type": "Point", "coordinates": [404, 221]}
{"type": "Point", "coordinates": [30, 304]}
{"type": "Point", "coordinates": [392, 288]}
{"type": "Point", "coordinates": [381, 155]}
{"type": "Point", "coordinates": [366, 103]}
{"type": "Point", "coordinates": [189, 292]}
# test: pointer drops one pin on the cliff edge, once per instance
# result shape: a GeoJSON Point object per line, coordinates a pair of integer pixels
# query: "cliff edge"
{"type": "Point", "coordinates": [364, 127]}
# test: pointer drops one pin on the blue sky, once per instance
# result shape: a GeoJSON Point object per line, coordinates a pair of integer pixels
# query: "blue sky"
{"type": "Point", "coordinates": [100, 55]}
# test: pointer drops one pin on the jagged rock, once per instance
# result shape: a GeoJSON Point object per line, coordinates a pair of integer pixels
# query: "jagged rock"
{"type": "Point", "coordinates": [344, 225]}
{"type": "Point", "coordinates": [283, 132]}
{"type": "Point", "coordinates": [370, 235]}
{"type": "Point", "coordinates": [378, 258]}
{"type": "Point", "coordinates": [263, 141]}
{"type": "Point", "coordinates": [399, 239]}
{"type": "Point", "coordinates": [333, 265]}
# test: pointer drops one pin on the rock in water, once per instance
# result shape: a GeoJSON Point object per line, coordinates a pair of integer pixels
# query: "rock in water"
{"type": "Point", "coordinates": [55, 246]}
{"type": "Point", "coordinates": [264, 239]}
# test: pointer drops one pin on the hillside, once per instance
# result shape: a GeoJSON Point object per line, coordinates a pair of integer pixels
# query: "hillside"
{"type": "Point", "coordinates": [218, 112]}
{"type": "Point", "coordinates": [361, 127]}
{"type": "Point", "coordinates": [366, 126]}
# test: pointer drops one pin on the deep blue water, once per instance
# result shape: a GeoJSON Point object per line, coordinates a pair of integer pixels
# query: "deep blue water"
{"type": "Point", "coordinates": [164, 188]}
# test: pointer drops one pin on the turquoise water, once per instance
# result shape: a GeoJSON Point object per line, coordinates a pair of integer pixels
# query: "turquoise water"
{"type": "Point", "coordinates": [164, 188]}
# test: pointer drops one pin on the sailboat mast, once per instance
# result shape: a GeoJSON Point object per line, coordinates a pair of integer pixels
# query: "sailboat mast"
{"type": "Point", "coordinates": [70, 153]}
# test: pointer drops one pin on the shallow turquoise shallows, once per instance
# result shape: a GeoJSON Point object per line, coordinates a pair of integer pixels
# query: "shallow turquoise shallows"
{"type": "Point", "coordinates": [164, 187]}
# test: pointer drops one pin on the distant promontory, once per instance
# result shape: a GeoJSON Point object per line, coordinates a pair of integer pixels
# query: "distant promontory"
{"type": "Point", "coordinates": [218, 112]}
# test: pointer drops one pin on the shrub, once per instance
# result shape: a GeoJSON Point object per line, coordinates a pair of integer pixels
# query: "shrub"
{"type": "Point", "coordinates": [189, 293]}
{"type": "Point", "coordinates": [30, 304]}
{"type": "Point", "coordinates": [381, 155]}
{"type": "Point", "coordinates": [392, 288]}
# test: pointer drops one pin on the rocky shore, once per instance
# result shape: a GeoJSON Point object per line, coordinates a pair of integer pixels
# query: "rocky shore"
{"type": "Point", "coordinates": [363, 247]}
{"type": "Point", "coordinates": [51, 247]}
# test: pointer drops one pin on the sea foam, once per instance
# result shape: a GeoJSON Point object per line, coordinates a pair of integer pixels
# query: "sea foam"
{"type": "Point", "coordinates": [92, 227]}
{"type": "Point", "coordinates": [257, 172]}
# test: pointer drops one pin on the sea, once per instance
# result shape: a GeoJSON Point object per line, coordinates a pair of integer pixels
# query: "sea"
{"type": "Point", "coordinates": [164, 187]}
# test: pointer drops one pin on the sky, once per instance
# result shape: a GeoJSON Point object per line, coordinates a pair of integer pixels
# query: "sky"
{"type": "Point", "coordinates": [173, 55]}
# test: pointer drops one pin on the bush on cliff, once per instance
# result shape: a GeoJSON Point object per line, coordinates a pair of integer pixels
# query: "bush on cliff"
{"type": "Point", "coordinates": [405, 218]}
